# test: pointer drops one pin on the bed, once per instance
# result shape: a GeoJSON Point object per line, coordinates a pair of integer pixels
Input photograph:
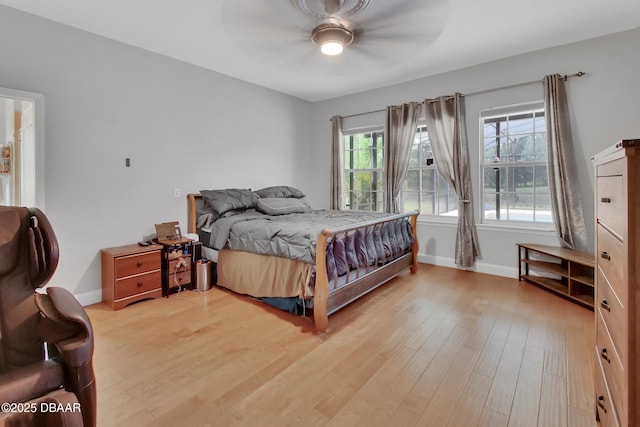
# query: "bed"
{"type": "Point", "coordinates": [265, 244]}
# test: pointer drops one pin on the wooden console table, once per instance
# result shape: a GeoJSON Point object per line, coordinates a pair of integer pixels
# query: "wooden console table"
{"type": "Point", "coordinates": [562, 271]}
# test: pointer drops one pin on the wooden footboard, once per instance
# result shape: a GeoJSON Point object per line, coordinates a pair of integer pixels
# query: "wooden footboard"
{"type": "Point", "coordinates": [360, 281]}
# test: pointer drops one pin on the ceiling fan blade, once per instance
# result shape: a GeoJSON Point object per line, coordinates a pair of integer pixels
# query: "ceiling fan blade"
{"type": "Point", "coordinates": [410, 25]}
{"type": "Point", "coordinates": [266, 30]}
{"type": "Point", "coordinates": [401, 12]}
{"type": "Point", "coordinates": [264, 19]}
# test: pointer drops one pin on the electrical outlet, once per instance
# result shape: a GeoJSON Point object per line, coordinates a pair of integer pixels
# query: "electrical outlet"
{"type": "Point", "coordinates": [176, 193]}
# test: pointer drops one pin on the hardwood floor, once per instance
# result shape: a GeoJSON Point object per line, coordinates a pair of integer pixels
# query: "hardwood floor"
{"type": "Point", "coordinates": [440, 348]}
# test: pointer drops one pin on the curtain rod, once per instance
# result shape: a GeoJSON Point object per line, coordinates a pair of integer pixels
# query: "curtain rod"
{"type": "Point", "coordinates": [565, 77]}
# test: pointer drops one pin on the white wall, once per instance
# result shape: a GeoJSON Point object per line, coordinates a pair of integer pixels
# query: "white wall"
{"type": "Point", "coordinates": [604, 108]}
{"type": "Point", "coordinates": [182, 127]}
{"type": "Point", "coordinates": [189, 128]}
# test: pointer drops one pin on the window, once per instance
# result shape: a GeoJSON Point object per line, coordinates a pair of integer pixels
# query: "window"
{"type": "Point", "coordinates": [424, 189]}
{"type": "Point", "coordinates": [514, 166]}
{"type": "Point", "coordinates": [364, 171]}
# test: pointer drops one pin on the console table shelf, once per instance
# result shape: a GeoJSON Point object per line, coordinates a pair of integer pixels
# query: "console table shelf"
{"type": "Point", "coordinates": [562, 271]}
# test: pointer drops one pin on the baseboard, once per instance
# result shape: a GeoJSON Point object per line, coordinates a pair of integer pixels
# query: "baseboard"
{"type": "Point", "coordinates": [88, 298]}
{"type": "Point", "coordinates": [480, 267]}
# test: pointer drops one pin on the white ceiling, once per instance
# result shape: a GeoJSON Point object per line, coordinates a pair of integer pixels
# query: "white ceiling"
{"type": "Point", "coordinates": [266, 42]}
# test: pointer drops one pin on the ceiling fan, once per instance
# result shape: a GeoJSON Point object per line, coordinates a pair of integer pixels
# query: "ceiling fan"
{"type": "Point", "coordinates": [287, 33]}
{"type": "Point", "coordinates": [334, 33]}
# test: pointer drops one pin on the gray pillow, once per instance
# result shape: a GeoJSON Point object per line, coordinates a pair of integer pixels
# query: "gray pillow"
{"type": "Point", "coordinates": [280, 191]}
{"type": "Point", "coordinates": [229, 199]}
{"type": "Point", "coordinates": [281, 205]}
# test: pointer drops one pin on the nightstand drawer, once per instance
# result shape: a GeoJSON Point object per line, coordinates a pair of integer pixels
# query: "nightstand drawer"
{"type": "Point", "coordinates": [136, 264]}
{"type": "Point", "coordinates": [180, 278]}
{"type": "Point", "coordinates": [610, 202]}
{"type": "Point", "coordinates": [137, 284]}
{"type": "Point", "coordinates": [186, 266]}
{"type": "Point", "coordinates": [612, 366]}
{"type": "Point", "coordinates": [612, 261]}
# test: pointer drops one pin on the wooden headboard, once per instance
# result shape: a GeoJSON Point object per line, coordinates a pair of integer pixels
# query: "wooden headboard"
{"type": "Point", "coordinates": [194, 205]}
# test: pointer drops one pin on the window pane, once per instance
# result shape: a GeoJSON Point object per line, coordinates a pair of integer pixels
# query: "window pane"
{"type": "Point", "coordinates": [492, 150]}
{"type": "Point", "coordinates": [412, 181]}
{"type": "Point", "coordinates": [523, 148]}
{"type": "Point", "coordinates": [543, 208]}
{"type": "Point", "coordinates": [424, 148]}
{"type": "Point", "coordinates": [428, 180]}
{"type": "Point", "coordinates": [504, 152]}
{"type": "Point", "coordinates": [447, 201]}
{"type": "Point", "coordinates": [414, 156]}
{"type": "Point", "coordinates": [379, 149]}
{"type": "Point", "coordinates": [540, 153]}
{"type": "Point", "coordinates": [363, 159]}
{"type": "Point", "coordinates": [490, 205]}
{"type": "Point", "coordinates": [411, 200]}
{"type": "Point", "coordinates": [541, 179]}
{"type": "Point", "coordinates": [428, 203]}
{"type": "Point", "coordinates": [521, 124]}
{"type": "Point", "coordinates": [495, 179]}
{"type": "Point", "coordinates": [521, 179]}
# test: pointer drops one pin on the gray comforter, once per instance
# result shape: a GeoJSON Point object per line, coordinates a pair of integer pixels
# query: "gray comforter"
{"type": "Point", "coordinates": [294, 236]}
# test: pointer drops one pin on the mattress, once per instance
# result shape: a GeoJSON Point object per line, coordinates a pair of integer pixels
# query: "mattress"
{"type": "Point", "coordinates": [210, 254]}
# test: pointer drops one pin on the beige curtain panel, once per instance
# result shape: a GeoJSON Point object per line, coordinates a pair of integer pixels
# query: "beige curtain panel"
{"type": "Point", "coordinates": [402, 121]}
{"type": "Point", "coordinates": [566, 203]}
{"type": "Point", "coordinates": [337, 164]}
{"type": "Point", "coordinates": [448, 137]}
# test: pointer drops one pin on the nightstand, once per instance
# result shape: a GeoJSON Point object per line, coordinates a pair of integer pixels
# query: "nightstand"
{"type": "Point", "coordinates": [130, 274]}
{"type": "Point", "coordinates": [177, 265]}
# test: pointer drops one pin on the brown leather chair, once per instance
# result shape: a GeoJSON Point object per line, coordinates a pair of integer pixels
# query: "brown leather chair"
{"type": "Point", "coordinates": [46, 339]}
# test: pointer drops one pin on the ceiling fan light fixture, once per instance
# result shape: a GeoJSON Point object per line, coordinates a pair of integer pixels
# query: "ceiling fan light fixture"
{"type": "Point", "coordinates": [331, 48]}
{"type": "Point", "coordinates": [332, 38]}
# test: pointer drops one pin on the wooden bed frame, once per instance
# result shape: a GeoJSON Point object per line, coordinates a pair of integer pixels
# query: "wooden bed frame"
{"type": "Point", "coordinates": [358, 282]}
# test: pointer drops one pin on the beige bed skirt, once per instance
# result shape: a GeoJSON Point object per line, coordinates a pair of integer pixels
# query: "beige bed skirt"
{"type": "Point", "coordinates": [263, 276]}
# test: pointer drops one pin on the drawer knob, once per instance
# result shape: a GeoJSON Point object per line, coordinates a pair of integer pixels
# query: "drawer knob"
{"type": "Point", "coordinates": [605, 199]}
{"type": "Point", "coordinates": [601, 404]}
{"type": "Point", "coordinates": [605, 305]}
{"type": "Point", "coordinates": [139, 264]}
{"type": "Point", "coordinates": [605, 255]}
{"type": "Point", "coordinates": [139, 283]}
{"type": "Point", "coordinates": [604, 355]}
